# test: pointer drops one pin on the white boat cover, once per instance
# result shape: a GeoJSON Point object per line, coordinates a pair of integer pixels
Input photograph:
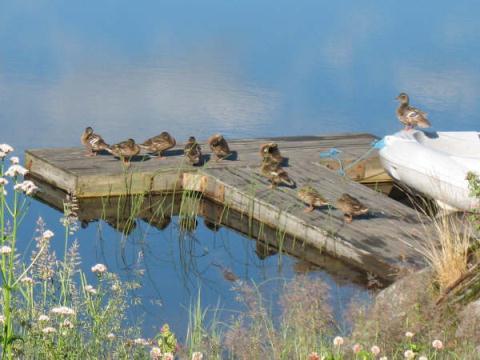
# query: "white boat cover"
{"type": "Point", "coordinates": [435, 164]}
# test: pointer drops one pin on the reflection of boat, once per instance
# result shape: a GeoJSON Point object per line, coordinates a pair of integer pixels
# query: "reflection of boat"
{"type": "Point", "coordinates": [434, 164]}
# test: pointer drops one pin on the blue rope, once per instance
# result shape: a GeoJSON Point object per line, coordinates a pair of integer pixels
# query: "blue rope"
{"type": "Point", "coordinates": [334, 153]}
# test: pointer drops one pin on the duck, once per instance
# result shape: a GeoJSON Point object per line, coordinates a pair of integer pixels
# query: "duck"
{"type": "Point", "coordinates": [94, 143]}
{"type": "Point", "coordinates": [350, 207]}
{"type": "Point", "coordinates": [219, 146]}
{"type": "Point", "coordinates": [192, 151]}
{"type": "Point", "coordinates": [270, 151]}
{"type": "Point", "coordinates": [311, 197]}
{"type": "Point", "coordinates": [125, 150]}
{"type": "Point", "coordinates": [276, 174]}
{"type": "Point", "coordinates": [158, 144]}
{"type": "Point", "coordinates": [409, 115]}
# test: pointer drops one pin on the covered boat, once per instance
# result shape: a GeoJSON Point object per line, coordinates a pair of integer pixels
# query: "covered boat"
{"type": "Point", "coordinates": [435, 164]}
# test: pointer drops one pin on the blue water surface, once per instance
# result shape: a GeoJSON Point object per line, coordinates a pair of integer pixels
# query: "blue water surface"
{"type": "Point", "coordinates": [244, 68]}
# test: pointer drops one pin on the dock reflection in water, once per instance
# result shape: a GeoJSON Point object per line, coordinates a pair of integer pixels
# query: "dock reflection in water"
{"type": "Point", "coordinates": [201, 264]}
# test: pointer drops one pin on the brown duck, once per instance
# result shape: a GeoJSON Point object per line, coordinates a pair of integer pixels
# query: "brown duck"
{"type": "Point", "coordinates": [192, 151]}
{"type": "Point", "coordinates": [271, 152]}
{"type": "Point", "coordinates": [219, 146]}
{"type": "Point", "coordinates": [92, 142]}
{"type": "Point", "coordinates": [409, 115]}
{"type": "Point", "coordinates": [125, 150]}
{"type": "Point", "coordinates": [276, 174]}
{"type": "Point", "coordinates": [159, 144]}
{"type": "Point", "coordinates": [350, 207]}
{"type": "Point", "coordinates": [311, 197]}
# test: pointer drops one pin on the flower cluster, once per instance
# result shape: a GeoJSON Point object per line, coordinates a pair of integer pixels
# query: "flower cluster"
{"type": "Point", "coordinates": [90, 289]}
{"type": "Point", "coordinates": [5, 250]}
{"type": "Point", "coordinates": [28, 187]}
{"type": "Point", "coordinates": [5, 149]}
{"type": "Point", "coordinates": [15, 170]}
{"type": "Point", "coordinates": [62, 310]}
{"type": "Point", "coordinates": [99, 269]}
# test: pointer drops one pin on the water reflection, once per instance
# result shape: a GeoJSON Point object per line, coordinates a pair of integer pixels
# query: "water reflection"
{"type": "Point", "coordinates": [199, 256]}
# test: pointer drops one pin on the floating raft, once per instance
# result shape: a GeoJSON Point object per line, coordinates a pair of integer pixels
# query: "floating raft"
{"type": "Point", "coordinates": [384, 242]}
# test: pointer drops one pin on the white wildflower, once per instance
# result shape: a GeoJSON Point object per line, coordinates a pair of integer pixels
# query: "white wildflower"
{"type": "Point", "coordinates": [14, 160]}
{"type": "Point", "coordinates": [409, 334]}
{"type": "Point", "coordinates": [47, 234]}
{"type": "Point", "coordinates": [168, 356]}
{"type": "Point", "coordinates": [437, 344]}
{"type": "Point", "coordinates": [375, 350]}
{"type": "Point", "coordinates": [197, 355]}
{"type": "Point", "coordinates": [63, 310]}
{"type": "Point", "coordinates": [49, 330]}
{"type": "Point", "coordinates": [338, 341]}
{"type": "Point", "coordinates": [5, 250]}
{"type": "Point", "coordinates": [5, 148]}
{"type": "Point", "coordinates": [155, 353]}
{"type": "Point", "coordinates": [99, 268]}
{"type": "Point", "coordinates": [423, 357]}
{"type": "Point", "coordinates": [90, 289]}
{"type": "Point", "coordinates": [140, 341]}
{"type": "Point", "coordinates": [43, 318]}
{"type": "Point", "coordinates": [409, 354]}
{"type": "Point", "coordinates": [15, 170]}
{"type": "Point", "coordinates": [3, 181]}
{"type": "Point", "coordinates": [27, 186]}
{"type": "Point", "coordinates": [110, 336]}
{"type": "Point", "coordinates": [357, 348]}
{"type": "Point", "coordinates": [383, 358]}
{"type": "Point", "coordinates": [27, 280]}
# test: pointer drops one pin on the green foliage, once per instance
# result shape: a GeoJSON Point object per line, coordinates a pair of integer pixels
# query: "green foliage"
{"type": "Point", "coordinates": [474, 187]}
{"type": "Point", "coordinates": [166, 339]}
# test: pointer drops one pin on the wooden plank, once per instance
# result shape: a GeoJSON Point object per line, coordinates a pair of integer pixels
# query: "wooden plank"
{"type": "Point", "coordinates": [385, 242]}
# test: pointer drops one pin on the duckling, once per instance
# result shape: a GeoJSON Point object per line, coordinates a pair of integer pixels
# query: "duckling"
{"type": "Point", "coordinates": [125, 150]}
{"type": "Point", "coordinates": [158, 144]}
{"type": "Point", "coordinates": [409, 115]}
{"type": "Point", "coordinates": [270, 151]}
{"type": "Point", "coordinates": [311, 197]}
{"type": "Point", "coordinates": [192, 151]}
{"type": "Point", "coordinates": [219, 146]}
{"type": "Point", "coordinates": [276, 174]}
{"type": "Point", "coordinates": [350, 207]}
{"type": "Point", "coordinates": [92, 142]}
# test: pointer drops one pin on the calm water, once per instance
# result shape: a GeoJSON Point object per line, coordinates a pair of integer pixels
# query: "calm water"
{"type": "Point", "coordinates": [244, 68]}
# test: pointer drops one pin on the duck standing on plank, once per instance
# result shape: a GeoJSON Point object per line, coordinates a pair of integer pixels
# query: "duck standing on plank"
{"type": "Point", "coordinates": [276, 174]}
{"type": "Point", "coordinates": [409, 115]}
{"type": "Point", "coordinates": [159, 144]}
{"type": "Point", "coordinates": [271, 152]}
{"type": "Point", "coordinates": [125, 150]}
{"type": "Point", "coordinates": [350, 207]}
{"type": "Point", "coordinates": [92, 142]}
{"type": "Point", "coordinates": [311, 197]}
{"type": "Point", "coordinates": [219, 146]}
{"type": "Point", "coordinates": [192, 151]}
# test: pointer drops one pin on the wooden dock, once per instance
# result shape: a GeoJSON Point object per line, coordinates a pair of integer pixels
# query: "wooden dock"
{"type": "Point", "coordinates": [384, 242]}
